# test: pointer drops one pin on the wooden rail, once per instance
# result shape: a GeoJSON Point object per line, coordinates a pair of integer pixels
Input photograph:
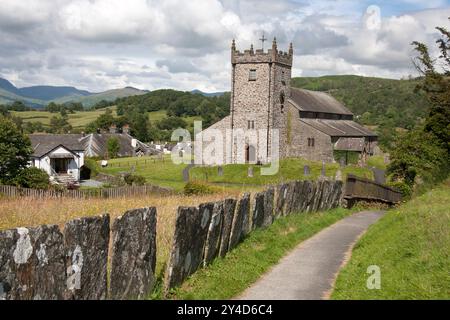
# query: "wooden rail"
{"type": "Point", "coordinates": [363, 189]}
{"type": "Point", "coordinates": [107, 193]}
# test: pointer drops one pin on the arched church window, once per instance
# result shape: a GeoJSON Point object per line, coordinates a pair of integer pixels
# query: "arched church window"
{"type": "Point", "coordinates": [282, 101]}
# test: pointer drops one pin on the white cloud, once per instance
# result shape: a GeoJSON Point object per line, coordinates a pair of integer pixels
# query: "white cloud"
{"type": "Point", "coordinates": [102, 44]}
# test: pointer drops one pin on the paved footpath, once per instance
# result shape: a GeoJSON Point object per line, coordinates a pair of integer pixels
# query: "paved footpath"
{"type": "Point", "coordinates": [308, 272]}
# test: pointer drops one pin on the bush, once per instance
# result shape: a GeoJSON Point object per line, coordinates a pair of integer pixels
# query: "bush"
{"type": "Point", "coordinates": [198, 188]}
{"type": "Point", "coordinates": [33, 178]}
{"type": "Point", "coordinates": [134, 180]}
{"type": "Point", "coordinates": [92, 165]}
{"type": "Point", "coordinates": [403, 187]}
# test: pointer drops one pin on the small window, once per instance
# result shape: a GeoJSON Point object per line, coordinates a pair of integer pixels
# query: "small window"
{"type": "Point", "coordinates": [252, 75]}
{"type": "Point", "coordinates": [311, 142]}
{"type": "Point", "coordinates": [283, 81]}
{"type": "Point", "coordinates": [251, 124]}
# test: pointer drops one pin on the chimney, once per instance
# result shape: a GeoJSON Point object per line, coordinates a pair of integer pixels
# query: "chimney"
{"type": "Point", "coordinates": [113, 129]}
{"type": "Point", "coordinates": [126, 129]}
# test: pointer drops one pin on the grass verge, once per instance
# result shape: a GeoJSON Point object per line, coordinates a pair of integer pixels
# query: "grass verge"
{"type": "Point", "coordinates": [411, 246]}
{"type": "Point", "coordinates": [227, 277]}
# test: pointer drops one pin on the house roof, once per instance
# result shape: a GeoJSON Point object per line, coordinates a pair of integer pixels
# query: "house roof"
{"type": "Point", "coordinates": [339, 128]}
{"type": "Point", "coordinates": [315, 101]}
{"type": "Point", "coordinates": [42, 144]}
{"type": "Point", "coordinates": [96, 144]}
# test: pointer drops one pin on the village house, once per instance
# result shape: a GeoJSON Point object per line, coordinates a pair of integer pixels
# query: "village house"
{"type": "Point", "coordinates": [62, 155]}
{"type": "Point", "coordinates": [310, 124]}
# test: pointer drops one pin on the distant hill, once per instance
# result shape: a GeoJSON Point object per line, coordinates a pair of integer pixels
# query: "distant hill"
{"type": "Point", "coordinates": [48, 93]}
{"type": "Point", "coordinates": [374, 101]}
{"type": "Point", "coordinates": [206, 94]}
{"type": "Point", "coordinates": [109, 95]}
{"type": "Point", "coordinates": [40, 96]}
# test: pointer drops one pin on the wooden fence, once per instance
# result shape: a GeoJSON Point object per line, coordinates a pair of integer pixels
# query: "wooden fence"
{"type": "Point", "coordinates": [107, 193]}
{"type": "Point", "coordinates": [364, 189]}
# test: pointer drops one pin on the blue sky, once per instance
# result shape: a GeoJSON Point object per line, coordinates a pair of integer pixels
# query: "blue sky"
{"type": "Point", "coordinates": [150, 44]}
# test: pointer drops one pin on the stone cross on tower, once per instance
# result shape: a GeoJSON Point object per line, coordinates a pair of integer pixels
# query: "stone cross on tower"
{"type": "Point", "coordinates": [263, 39]}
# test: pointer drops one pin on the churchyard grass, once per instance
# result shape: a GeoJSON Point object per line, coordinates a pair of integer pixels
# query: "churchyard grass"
{"type": "Point", "coordinates": [228, 277]}
{"type": "Point", "coordinates": [235, 177]}
{"type": "Point", "coordinates": [410, 246]}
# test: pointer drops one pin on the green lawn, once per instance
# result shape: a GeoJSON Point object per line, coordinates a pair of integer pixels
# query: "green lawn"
{"type": "Point", "coordinates": [227, 277]}
{"type": "Point", "coordinates": [411, 245]}
{"type": "Point", "coordinates": [290, 169]}
{"type": "Point", "coordinates": [162, 173]}
{"type": "Point", "coordinates": [235, 177]}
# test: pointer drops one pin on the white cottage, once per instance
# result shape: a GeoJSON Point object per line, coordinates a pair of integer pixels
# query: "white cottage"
{"type": "Point", "coordinates": [61, 156]}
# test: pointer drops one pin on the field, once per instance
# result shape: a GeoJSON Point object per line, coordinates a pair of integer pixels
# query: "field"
{"type": "Point", "coordinates": [411, 246]}
{"type": "Point", "coordinates": [79, 120]}
{"type": "Point", "coordinates": [235, 177]}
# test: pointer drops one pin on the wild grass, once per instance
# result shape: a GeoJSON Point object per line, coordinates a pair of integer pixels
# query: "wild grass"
{"type": "Point", "coordinates": [411, 245]}
{"type": "Point", "coordinates": [27, 212]}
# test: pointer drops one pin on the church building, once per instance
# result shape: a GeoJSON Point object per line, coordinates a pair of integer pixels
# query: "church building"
{"type": "Point", "coordinates": [308, 124]}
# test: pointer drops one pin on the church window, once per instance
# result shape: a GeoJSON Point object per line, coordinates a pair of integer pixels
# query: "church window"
{"type": "Point", "coordinates": [252, 75]}
{"type": "Point", "coordinates": [311, 142]}
{"type": "Point", "coordinates": [251, 124]}
{"type": "Point", "coordinates": [283, 81]}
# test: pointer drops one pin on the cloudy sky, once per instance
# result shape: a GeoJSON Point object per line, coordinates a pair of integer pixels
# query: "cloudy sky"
{"type": "Point", "coordinates": [149, 44]}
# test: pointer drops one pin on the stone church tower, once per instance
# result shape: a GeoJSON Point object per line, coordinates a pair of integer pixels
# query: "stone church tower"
{"type": "Point", "coordinates": [259, 91]}
{"type": "Point", "coordinates": [269, 117]}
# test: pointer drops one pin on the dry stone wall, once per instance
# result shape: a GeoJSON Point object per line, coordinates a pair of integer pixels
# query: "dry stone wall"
{"type": "Point", "coordinates": [214, 229]}
{"type": "Point", "coordinates": [45, 263]}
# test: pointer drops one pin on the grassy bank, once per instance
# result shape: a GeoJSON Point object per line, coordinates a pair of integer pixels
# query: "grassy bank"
{"type": "Point", "coordinates": [411, 245]}
{"type": "Point", "coordinates": [228, 277]}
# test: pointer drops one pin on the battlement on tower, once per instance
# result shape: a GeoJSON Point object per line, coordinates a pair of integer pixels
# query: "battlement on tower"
{"type": "Point", "coordinates": [260, 56]}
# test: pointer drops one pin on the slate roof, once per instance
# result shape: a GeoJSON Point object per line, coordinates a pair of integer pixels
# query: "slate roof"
{"type": "Point", "coordinates": [339, 128]}
{"type": "Point", "coordinates": [96, 145]}
{"type": "Point", "coordinates": [316, 101]}
{"type": "Point", "coordinates": [350, 144]}
{"type": "Point", "coordinates": [44, 143]}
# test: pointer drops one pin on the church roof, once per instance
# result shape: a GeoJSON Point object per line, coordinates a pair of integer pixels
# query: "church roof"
{"type": "Point", "coordinates": [339, 128]}
{"type": "Point", "coordinates": [316, 101]}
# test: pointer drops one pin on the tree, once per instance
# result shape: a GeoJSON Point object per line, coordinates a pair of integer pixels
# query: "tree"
{"type": "Point", "coordinates": [436, 85]}
{"type": "Point", "coordinates": [59, 124]}
{"type": "Point", "coordinates": [15, 150]}
{"type": "Point", "coordinates": [113, 146]}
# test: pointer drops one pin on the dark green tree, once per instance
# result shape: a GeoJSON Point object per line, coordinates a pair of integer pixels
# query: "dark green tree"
{"type": "Point", "coordinates": [15, 150]}
{"type": "Point", "coordinates": [113, 146]}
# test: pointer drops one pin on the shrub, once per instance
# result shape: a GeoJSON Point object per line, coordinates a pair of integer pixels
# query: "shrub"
{"type": "Point", "coordinates": [403, 187]}
{"type": "Point", "coordinates": [198, 188]}
{"type": "Point", "coordinates": [33, 178]}
{"type": "Point", "coordinates": [92, 165]}
{"type": "Point", "coordinates": [134, 180]}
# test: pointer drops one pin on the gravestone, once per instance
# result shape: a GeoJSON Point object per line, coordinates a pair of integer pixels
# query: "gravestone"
{"type": "Point", "coordinates": [220, 171]}
{"type": "Point", "coordinates": [258, 211]}
{"type": "Point", "coordinates": [306, 170]}
{"type": "Point", "coordinates": [133, 255]}
{"type": "Point", "coordinates": [212, 246]}
{"type": "Point", "coordinates": [250, 172]}
{"type": "Point", "coordinates": [338, 175]}
{"type": "Point", "coordinates": [342, 162]}
{"type": "Point", "coordinates": [32, 264]}
{"type": "Point", "coordinates": [191, 229]}
{"type": "Point", "coordinates": [229, 213]}
{"type": "Point", "coordinates": [323, 172]}
{"type": "Point", "coordinates": [86, 242]}
{"type": "Point", "coordinates": [241, 222]}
